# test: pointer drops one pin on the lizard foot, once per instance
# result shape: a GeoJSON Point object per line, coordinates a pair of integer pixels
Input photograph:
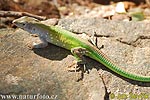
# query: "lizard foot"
{"type": "Point", "coordinates": [40, 45]}
{"type": "Point", "coordinates": [30, 46]}
{"type": "Point", "coordinates": [76, 66]}
{"type": "Point", "coordinates": [73, 67]}
{"type": "Point", "coordinates": [35, 45]}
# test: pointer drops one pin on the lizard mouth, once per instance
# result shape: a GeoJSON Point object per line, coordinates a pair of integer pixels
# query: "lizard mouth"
{"type": "Point", "coordinates": [18, 24]}
{"type": "Point", "coordinates": [14, 21]}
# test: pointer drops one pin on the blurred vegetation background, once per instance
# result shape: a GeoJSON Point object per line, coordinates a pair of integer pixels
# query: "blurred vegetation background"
{"type": "Point", "coordinates": [112, 10]}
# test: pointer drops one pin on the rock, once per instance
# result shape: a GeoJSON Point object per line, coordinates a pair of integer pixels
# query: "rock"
{"type": "Point", "coordinates": [41, 72]}
{"type": "Point", "coordinates": [126, 43]}
{"type": "Point", "coordinates": [44, 71]}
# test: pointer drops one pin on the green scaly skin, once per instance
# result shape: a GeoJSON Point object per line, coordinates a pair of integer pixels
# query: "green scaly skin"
{"type": "Point", "coordinates": [69, 40]}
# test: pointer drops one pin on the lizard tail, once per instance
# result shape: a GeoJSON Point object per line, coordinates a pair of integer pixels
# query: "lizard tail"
{"type": "Point", "coordinates": [102, 58]}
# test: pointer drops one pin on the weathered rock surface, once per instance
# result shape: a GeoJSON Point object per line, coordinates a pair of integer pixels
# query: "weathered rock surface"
{"type": "Point", "coordinates": [44, 71]}
{"type": "Point", "coordinates": [127, 44]}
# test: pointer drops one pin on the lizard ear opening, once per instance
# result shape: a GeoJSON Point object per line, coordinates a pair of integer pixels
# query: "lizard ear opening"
{"type": "Point", "coordinates": [33, 29]}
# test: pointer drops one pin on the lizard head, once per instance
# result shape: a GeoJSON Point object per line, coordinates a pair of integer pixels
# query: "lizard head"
{"type": "Point", "coordinates": [27, 24]}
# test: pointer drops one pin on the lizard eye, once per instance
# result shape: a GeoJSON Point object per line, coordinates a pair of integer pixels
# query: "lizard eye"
{"type": "Point", "coordinates": [23, 24]}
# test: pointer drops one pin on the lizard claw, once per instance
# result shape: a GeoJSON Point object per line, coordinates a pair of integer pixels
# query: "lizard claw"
{"type": "Point", "coordinates": [34, 35]}
{"type": "Point", "coordinates": [73, 67]}
{"type": "Point", "coordinates": [30, 46]}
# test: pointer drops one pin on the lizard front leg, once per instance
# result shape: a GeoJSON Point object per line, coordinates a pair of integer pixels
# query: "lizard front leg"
{"type": "Point", "coordinates": [39, 45]}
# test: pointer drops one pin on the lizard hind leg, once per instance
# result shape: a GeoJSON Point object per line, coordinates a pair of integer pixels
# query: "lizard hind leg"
{"type": "Point", "coordinates": [78, 53]}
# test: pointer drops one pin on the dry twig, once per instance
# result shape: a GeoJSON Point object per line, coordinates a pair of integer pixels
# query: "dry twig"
{"type": "Point", "coordinates": [20, 14]}
{"type": "Point", "coordinates": [147, 2]}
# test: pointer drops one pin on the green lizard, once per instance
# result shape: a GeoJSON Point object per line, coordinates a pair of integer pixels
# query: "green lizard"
{"type": "Point", "coordinates": [70, 41]}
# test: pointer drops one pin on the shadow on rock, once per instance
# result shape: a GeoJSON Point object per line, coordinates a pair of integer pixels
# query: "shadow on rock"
{"type": "Point", "coordinates": [52, 52]}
